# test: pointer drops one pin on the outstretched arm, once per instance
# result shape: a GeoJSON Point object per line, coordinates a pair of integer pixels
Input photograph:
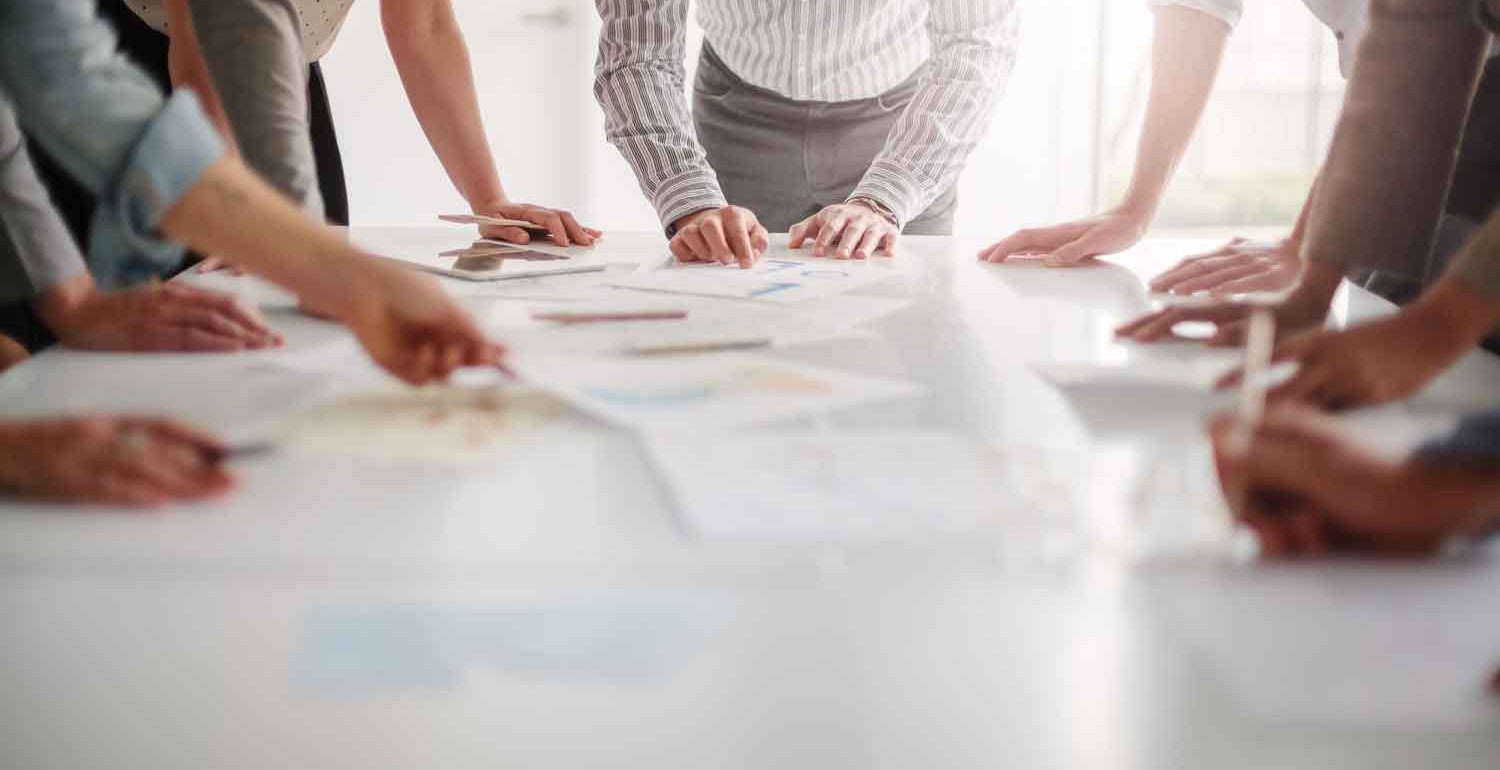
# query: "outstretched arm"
{"type": "Point", "coordinates": [433, 61]}
{"type": "Point", "coordinates": [158, 167]}
{"type": "Point", "coordinates": [1187, 49]}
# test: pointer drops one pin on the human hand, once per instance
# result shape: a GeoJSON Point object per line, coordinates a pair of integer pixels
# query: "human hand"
{"type": "Point", "coordinates": [408, 324]}
{"type": "Point", "coordinates": [561, 227]}
{"type": "Point", "coordinates": [1072, 243]}
{"type": "Point", "coordinates": [1238, 267]}
{"type": "Point", "coordinates": [1302, 309]}
{"type": "Point", "coordinates": [158, 317]}
{"type": "Point", "coordinates": [11, 353]}
{"type": "Point", "coordinates": [727, 235]}
{"type": "Point", "coordinates": [126, 461]}
{"type": "Point", "coordinates": [846, 230]}
{"type": "Point", "coordinates": [216, 264]}
{"type": "Point", "coordinates": [1305, 489]}
{"type": "Point", "coordinates": [1384, 360]}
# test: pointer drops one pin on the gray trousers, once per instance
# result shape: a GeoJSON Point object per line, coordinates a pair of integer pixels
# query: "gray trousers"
{"type": "Point", "coordinates": [253, 49]}
{"type": "Point", "coordinates": [785, 160]}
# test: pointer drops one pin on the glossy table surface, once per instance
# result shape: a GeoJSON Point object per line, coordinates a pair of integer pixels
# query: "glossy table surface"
{"type": "Point", "coordinates": [552, 610]}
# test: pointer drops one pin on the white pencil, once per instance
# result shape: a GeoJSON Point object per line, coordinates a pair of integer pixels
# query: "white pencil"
{"type": "Point", "coordinates": [1259, 346]}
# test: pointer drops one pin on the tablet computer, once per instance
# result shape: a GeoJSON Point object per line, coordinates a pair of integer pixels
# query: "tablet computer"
{"type": "Point", "coordinates": [458, 255]}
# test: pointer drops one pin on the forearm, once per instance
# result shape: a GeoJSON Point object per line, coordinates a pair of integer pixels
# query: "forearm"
{"type": "Point", "coordinates": [232, 213]}
{"type": "Point", "coordinates": [1478, 264]}
{"type": "Point", "coordinates": [1298, 235]}
{"type": "Point", "coordinates": [639, 82]}
{"type": "Point", "coordinates": [1459, 313]}
{"type": "Point", "coordinates": [973, 52]}
{"type": "Point", "coordinates": [433, 62]}
{"type": "Point", "coordinates": [1393, 152]}
{"type": "Point", "coordinates": [1187, 50]}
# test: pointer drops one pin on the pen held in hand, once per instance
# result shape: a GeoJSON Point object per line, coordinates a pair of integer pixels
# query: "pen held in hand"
{"type": "Point", "coordinates": [503, 368]}
{"type": "Point", "coordinates": [1259, 346]}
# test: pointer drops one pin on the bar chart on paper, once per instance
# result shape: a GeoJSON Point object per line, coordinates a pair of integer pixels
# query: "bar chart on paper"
{"type": "Point", "coordinates": [781, 277]}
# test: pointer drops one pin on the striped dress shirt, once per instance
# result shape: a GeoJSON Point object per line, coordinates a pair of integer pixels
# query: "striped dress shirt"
{"type": "Point", "coordinates": [813, 51]}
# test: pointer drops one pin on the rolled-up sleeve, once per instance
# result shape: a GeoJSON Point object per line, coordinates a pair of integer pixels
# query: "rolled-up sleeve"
{"type": "Point", "coordinates": [108, 125]}
{"type": "Point", "coordinates": [973, 50]}
{"type": "Point", "coordinates": [1227, 11]}
{"type": "Point", "coordinates": [639, 80]}
{"type": "Point", "coordinates": [36, 251]}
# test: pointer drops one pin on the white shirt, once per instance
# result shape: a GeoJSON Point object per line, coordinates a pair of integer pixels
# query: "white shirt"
{"type": "Point", "coordinates": [320, 21]}
{"type": "Point", "coordinates": [813, 51]}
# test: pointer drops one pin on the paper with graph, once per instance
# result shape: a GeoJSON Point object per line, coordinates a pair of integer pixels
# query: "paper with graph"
{"type": "Point", "coordinates": [783, 276]}
{"type": "Point", "coordinates": [703, 393]}
{"type": "Point", "coordinates": [433, 424]}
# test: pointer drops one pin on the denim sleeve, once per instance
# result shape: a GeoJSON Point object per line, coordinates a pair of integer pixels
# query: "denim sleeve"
{"type": "Point", "coordinates": [107, 124]}
{"type": "Point", "coordinates": [1476, 441]}
{"type": "Point", "coordinates": [36, 250]}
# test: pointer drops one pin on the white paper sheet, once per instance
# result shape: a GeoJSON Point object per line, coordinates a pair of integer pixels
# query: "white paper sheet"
{"type": "Point", "coordinates": [782, 276]}
{"type": "Point", "coordinates": [707, 322]}
{"type": "Point", "coordinates": [702, 393]}
{"type": "Point", "coordinates": [435, 424]}
{"type": "Point", "coordinates": [896, 484]}
{"type": "Point", "coordinates": [1196, 374]}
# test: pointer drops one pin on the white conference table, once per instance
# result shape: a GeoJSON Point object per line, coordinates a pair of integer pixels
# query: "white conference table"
{"type": "Point", "coordinates": [553, 611]}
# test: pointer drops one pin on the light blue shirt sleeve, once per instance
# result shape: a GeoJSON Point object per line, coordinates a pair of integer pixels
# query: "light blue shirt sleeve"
{"type": "Point", "coordinates": [1227, 11]}
{"type": "Point", "coordinates": [107, 124]}
{"type": "Point", "coordinates": [1476, 440]}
